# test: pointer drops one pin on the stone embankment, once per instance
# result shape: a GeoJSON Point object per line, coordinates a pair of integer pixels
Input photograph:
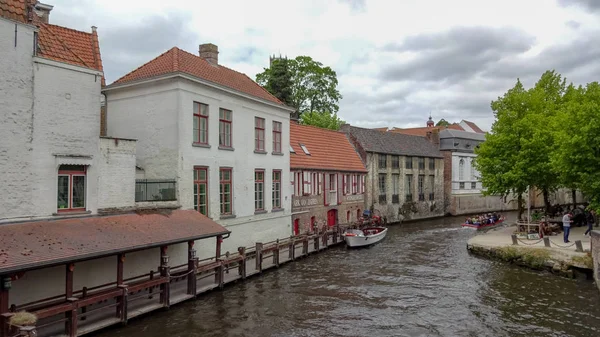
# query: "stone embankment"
{"type": "Point", "coordinates": [567, 260]}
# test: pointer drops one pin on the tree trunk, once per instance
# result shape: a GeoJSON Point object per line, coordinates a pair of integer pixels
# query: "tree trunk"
{"type": "Point", "coordinates": [574, 196]}
{"type": "Point", "coordinates": [520, 206]}
{"type": "Point", "coordinates": [546, 200]}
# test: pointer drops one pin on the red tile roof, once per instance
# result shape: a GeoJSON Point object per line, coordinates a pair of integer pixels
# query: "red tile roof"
{"type": "Point", "coordinates": [17, 10]}
{"type": "Point", "coordinates": [474, 127]}
{"type": "Point", "coordinates": [423, 131]}
{"type": "Point", "coordinates": [176, 60]}
{"type": "Point", "coordinates": [33, 245]}
{"type": "Point", "coordinates": [329, 150]}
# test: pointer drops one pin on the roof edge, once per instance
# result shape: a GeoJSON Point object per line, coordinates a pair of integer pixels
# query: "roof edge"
{"type": "Point", "coordinates": [326, 169]}
{"type": "Point", "coordinates": [116, 86]}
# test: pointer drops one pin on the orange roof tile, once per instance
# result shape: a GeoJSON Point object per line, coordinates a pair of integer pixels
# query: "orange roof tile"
{"type": "Point", "coordinates": [423, 130]}
{"type": "Point", "coordinates": [17, 10]}
{"type": "Point", "coordinates": [329, 150]}
{"type": "Point", "coordinates": [176, 60]}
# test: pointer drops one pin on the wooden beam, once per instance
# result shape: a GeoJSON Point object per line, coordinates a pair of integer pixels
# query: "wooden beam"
{"type": "Point", "coordinates": [165, 295]}
{"type": "Point", "coordinates": [3, 307]}
{"type": "Point", "coordinates": [70, 268]}
{"type": "Point", "coordinates": [218, 250]}
{"type": "Point", "coordinates": [120, 262]}
{"type": "Point", "coordinates": [192, 263]}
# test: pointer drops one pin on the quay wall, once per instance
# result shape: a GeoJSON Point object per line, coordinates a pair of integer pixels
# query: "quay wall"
{"type": "Point", "coordinates": [595, 242]}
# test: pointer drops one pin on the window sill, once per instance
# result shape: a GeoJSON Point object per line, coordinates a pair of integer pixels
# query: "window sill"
{"type": "Point", "coordinates": [277, 210]}
{"type": "Point", "coordinates": [67, 213]}
{"type": "Point", "coordinates": [227, 216]}
{"type": "Point", "coordinates": [201, 145]}
{"type": "Point", "coordinates": [260, 212]}
{"type": "Point", "coordinates": [277, 153]}
{"type": "Point", "coordinates": [226, 148]}
{"type": "Point", "coordinates": [260, 152]}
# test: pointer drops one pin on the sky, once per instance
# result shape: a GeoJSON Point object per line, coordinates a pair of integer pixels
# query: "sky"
{"type": "Point", "coordinates": [397, 62]}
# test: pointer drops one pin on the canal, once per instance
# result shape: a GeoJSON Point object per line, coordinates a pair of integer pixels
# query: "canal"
{"type": "Point", "coordinates": [420, 281]}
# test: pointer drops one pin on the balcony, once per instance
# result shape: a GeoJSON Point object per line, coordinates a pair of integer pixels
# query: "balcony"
{"type": "Point", "coordinates": [155, 190]}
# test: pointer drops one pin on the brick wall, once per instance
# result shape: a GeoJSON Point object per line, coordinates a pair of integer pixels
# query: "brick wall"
{"type": "Point", "coordinates": [447, 181]}
{"type": "Point", "coordinates": [116, 174]}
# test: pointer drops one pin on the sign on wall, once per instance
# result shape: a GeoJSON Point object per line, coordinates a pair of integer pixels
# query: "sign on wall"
{"type": "Point", "coordinates": [305, 202]}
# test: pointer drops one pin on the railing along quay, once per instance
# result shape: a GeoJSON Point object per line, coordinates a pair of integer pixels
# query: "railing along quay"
{"type": "Point", "coordinates": [94, 308]}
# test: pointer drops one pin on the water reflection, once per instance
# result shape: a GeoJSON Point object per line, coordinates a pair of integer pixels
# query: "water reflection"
{"type": "Point", "coordinates": [420, 281]}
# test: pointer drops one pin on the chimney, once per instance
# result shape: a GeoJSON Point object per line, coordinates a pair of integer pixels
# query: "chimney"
{"type": "Point", "coordinates": [435, 137]}
{"type": "Point", "coordinates": [210, 53]}
{"type": "Point", "coordinates": [43, 11]}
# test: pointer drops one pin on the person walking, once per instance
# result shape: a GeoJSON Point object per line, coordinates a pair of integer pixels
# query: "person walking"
{"type": "Point", "coordinates": [591, 219]}
{"type": "Point", "coordinates": [567, 226]}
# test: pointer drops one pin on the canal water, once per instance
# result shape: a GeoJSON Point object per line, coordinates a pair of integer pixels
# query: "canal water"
{"type": "Point", "coordinates": [420, 281]}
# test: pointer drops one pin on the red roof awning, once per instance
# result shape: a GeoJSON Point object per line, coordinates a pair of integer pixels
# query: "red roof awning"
{"type": "Point", "coordinates": [38, 244]}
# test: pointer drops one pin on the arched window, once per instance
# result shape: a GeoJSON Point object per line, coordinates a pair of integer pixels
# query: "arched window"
{"type": "Point", "coordinates": [461, 170]}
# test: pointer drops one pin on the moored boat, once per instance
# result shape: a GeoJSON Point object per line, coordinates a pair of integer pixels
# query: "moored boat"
{"type": "Point", "coordinates": [364, 237]}
{"type": "Point", "coordinates": [485, 224]}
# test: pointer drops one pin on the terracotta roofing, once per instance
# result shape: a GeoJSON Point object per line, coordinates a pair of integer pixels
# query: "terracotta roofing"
{"type": "Point", "coordinates": [17, 10]}
{"type": "Point", "coordinates": [176, 60]}
{"type": "Point", "coordinates": [422, 131]}
{"type": "Point", "coordinates": [329, 150]}
{"type": "Point", "coordinates": [32, 245]}
{"type": "Point", "coordinates": [392, 142]}
{"type": "Point", "coordinates": [474, 126]}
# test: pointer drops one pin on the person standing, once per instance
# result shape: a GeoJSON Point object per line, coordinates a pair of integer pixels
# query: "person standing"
{"type": "Point", "coordinates": [566, 226]}
{"type": "Point", "coordinates": [591, 219]}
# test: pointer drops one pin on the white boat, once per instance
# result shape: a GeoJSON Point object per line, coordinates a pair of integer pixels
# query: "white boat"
{"type": "Point", "coordinates": [364, 237]}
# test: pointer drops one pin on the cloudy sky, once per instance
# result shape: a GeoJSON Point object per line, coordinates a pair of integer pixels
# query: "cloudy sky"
{"type": "Point", "coordinates": [396, 61]}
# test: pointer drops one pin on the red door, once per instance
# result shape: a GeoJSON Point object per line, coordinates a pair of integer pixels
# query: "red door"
{"type": "Point", "coordinates": [331, 217]}
{"type": "Point", "coordinates": [312, 224]}
{"type": "Point", "coordinates": [297, 227]}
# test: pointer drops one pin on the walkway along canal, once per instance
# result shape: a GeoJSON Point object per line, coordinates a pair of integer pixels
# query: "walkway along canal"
{"type": "Point", "coordinates": [420, 281]}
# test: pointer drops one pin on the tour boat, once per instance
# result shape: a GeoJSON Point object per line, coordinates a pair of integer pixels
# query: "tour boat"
{"type": "Point", "coordinates": [479, 226]}
{"type": "Point", "coordinates": [364, 237]}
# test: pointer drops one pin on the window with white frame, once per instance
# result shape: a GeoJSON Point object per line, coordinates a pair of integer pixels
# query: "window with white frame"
{"type": "Point", "coordinates": [200, 123]}
{"type": "Point", "coordinates": [259, 190]}
{"type": "Point", "coordinates": [347, 184]}
{"type": "Point", "coordinates": [276, 189]}
{"type": "Point", "coordinates": [71, 188]}
{"type": "Point", "coordinates": [225, 128]}
{"type": "Point", "coordinates": [259, 134]}
{"type": "Point", "coordinates": [306, 183]}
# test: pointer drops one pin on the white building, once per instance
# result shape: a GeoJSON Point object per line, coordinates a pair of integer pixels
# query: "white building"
{"type": "Point", "coordinates": [221, 137]}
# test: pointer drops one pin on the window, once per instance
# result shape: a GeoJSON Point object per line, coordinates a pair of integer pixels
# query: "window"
{"type": "Point", "coordinates": [408, 185]}
{"type": "Point", "coordinates": [421, 187]}
{"type": "Point", "coordinates": [259, 190]}
{"type": "Point", "coordinates": [225, 193]}
{"type": "Point", "coordinates": [292, 150]}
{"type": "Point", "coordinates": [259, 134]}
{"type": "Point", "coordinates": [276, 189]}
{"type": "Point", "coordinates": [382, 191]}
{"type": "Point", "coordinates": [303, 147]}
{"type": "Point", "coordinates": [200, 123]}
{"type": "Point", "coordinates": [432, 163]}
{"type": "Point", "coordinates": [71, 188]}
{"type": "Point", "coordinates": [382, 161]}
{"type": "Point", "coordinates": [461, 185]}
{"type": "Point", "coordinates": [348, 184]}
{"type": "Point", "coordinates": [408, 162]}
{"type": "Point", "coordinates": [395, 162]}
{"type": "Point", "coordinates": [224, 128]}
{"type": "Point", "coordinates": [306, 183]}
{"type": "Point", "coordinates": [355, 180]}
{"type": "Point", "coordinates": [461, 170]}
{"type": "Point", "coordinates": [277, 137]}
{"type": "Point", "coordinates": [395, 188]}
{"type": "Point", "coordinates": [201, 190]}
{"type": "Point", "coordinates": [431, 187]}
{"type": "Point", "coordinates": [421, 163]}
{"type": "Point", "coordinates": [473, 185]}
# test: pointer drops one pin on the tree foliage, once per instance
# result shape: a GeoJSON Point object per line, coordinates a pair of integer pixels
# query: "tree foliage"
{"type": "Point", "coordinates": [325, 120]}
{"type": "Point", "coordinates": [544, 137]}
{"type": "Point", "coordinates": [312, 86]}
{"type": "Point", "coordinates": [442, 122]}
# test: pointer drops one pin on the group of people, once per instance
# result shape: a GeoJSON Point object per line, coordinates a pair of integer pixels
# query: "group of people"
{"type": "Point", "coordinates": [486, 219]}
{"type": "Point", "coordinates": [590, 219]}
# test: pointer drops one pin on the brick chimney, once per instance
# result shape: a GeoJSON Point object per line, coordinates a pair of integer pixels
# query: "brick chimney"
{"type": "Point", "coordinates": [43, 11]}
{"type": "Point", "coordinates": [210, 53]}
{"type": "Point", "coordinates": [435, 136]}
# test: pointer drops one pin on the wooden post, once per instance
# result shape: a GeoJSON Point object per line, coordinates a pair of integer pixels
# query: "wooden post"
{"type": "Point", "coordinates": [166, 273]}
{"type": "Point", "coordinates": [120, 261]}
{"type": "Point", "coordinates": [5, 283]}
{"type": "Point", "coordinates": [547, 241]}
{"type": "Point", "coordinates": [122, 307]}
{"type": "Point", "coordinates": [292, 249]}
{"type": "Point", "coordinates": [69, 280]}
{"type": "Point", "coordinates": [305, 246]}
{"type": "Point", "coordinates": [316, 243]}
{"type": "Point", "coordinates": [121, 301]}
{"type": "Point", "coordinates": [242, 266]}
{"type": "Point", "coordinates": [83, 309]}
{"type": "Point", "coordinates": [71, 323]}
{"type": "Point", "coordinates": [276, 254]}
{"type": "Point", "coordinates": [578, 246]}
{"type": "Point", "coordinates": [514, 239]}
{"type": "Point", "coordinates": [259, 257]}
{"type": "Point", "coordinates": [192, 267]}
{"type": "Point", "coordinates": [218, 250]}
{"type": "Point", "coordinates": [70, 326]}
{"type": "Point", "coordinates": [151, 289]}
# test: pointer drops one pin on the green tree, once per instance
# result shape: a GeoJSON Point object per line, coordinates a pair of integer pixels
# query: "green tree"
{"type": "Point", "coordinates": [313, 86]}
{"type": "Point", "coordinates": [577, 155]}
{"type": "Point", "coordinates": [279, 83]}
{"type": "Point", "coordinates": [442, 122]}
{"type": "Point", "coordinates": [325, 120]}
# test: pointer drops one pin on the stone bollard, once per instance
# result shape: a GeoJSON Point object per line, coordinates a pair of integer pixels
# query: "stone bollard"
{"type": "Point", "coordinates": [514, 239]}
{"type": "Point", "coordinates": [578, 246]}
{"type": "Point", "coordinates": [547, 242]}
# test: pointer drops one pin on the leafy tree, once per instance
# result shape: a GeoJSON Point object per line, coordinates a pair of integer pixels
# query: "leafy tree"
{"type": "Point", "coordinates": [577, 154]}
{"type": "Point", "coordinates": [325, 120]}
{"type": "Point", "coordinates": [313, 86]}
{"type": "Point", "coordinates": [442, 122]}
{"type": "Point", "coordinates": [279, 83]}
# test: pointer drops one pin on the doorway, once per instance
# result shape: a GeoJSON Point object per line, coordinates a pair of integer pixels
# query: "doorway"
{"type": "Point", "coordinates": [331, 217]}
{"type": "Point", "coordinates": [297, 227]}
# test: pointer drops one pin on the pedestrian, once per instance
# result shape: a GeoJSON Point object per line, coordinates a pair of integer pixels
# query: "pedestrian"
{"type": "Point", "coordinates": [591, 219]}
{"type": "Point", "coordinates": [567, 226]}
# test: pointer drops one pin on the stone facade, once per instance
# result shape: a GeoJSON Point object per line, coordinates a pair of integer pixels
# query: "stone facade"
{"type": "Point", "coordinates": [595, 242]}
